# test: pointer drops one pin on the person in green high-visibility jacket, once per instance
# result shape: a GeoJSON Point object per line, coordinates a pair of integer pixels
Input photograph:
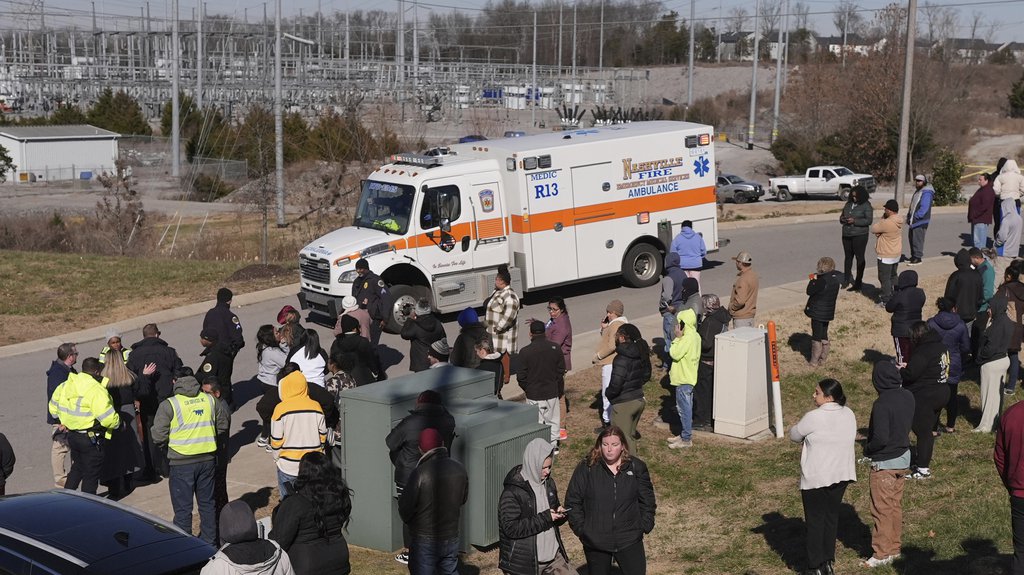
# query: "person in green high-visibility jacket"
{"type": "Point", "coordinates": [83, 406]}
{"type": "Point", "coordinates": [188, 423]}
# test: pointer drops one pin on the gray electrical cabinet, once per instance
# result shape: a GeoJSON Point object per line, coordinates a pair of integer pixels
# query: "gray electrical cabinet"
{"type": "Point", "coordinates": [491, 436]}
{"type": "Point", "coordinates": [741, 382]}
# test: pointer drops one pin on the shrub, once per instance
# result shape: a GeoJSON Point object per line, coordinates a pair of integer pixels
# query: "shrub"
{"type": "Point", "coordinates": [1016, 99]}
{"type": "Point", "coordinates": [210, 188]}
{"type": "Point", "coordinates": [946, 177]}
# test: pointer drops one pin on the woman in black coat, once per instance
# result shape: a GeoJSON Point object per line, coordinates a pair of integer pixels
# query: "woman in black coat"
{"type": "Point", "coordinates": [822, 291]}
{"type": "Point", "coordinates": [631, 370]}
{"type": "Point", "coordinates": [309, 524]}
{"type": "Point", "coordinates": [529, 515]}
{"type": "Point", "coordinates": [926, 376]}
{"type": "Point", "coordinates": [610, 504]}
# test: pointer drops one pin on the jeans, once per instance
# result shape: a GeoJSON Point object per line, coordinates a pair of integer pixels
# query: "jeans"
{"type": "Point", "coordinates": [284, 483]}
{"type": "Point", "coordinates": [668, 327]}
{"type": "Point", "coordinates": [917, 241]}
{"type": "Point", "coordinates": [86, 462]}
{"type": "Point", "coordinates": [821, 515]}
{"type": "Point", "coordinates": [853, 247]}
{"type": "Point", "coordinates": [1013, 372]}
{"type": "Point", "coordinates": [886, 280]}
{"type": "Point", "coordinates": [194, 480]}
{"type": "Point", "coordinates": [1017, 523]}
{"type": "Point", "coordinates": [427, 557]}
{"type": "Point", "coordinates": [979, 234]}
{"type": "Point", "coordinates": [632, 560]}
{"type": "Point", "coordinates": [684, 405]}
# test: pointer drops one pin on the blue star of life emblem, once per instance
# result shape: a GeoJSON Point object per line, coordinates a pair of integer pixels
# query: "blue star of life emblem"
{"type": "Point", "coordinates": [701, 166]}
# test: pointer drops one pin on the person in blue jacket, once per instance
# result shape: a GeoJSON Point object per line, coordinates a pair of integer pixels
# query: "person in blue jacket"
{"type": "Point", "coordinates": [691, 249]}
{"type": "Point", "coordinates": [918, 217]}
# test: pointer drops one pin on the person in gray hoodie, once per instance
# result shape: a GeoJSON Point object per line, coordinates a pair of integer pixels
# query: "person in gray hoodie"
{"type": "Point", "coordinates": [244, 553]}
{"type": "Point", "coordinates": [671, 299]}
{"type": "Point", "coordinates": [191, 474]}
{"type": "Point", "coordinates": [993, 359]}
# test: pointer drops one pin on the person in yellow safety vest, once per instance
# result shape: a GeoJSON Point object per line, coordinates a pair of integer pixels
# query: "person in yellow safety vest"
{"type": "Point", "coordinates": [187, 423]}
{"type": "Point", "coordinates": [114, 344]}
{"type": "Point", "coordinates": [83, 406]}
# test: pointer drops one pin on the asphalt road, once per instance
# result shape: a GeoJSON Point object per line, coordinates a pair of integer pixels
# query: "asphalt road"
{"type": "Point", "coordinates": [782, 253]}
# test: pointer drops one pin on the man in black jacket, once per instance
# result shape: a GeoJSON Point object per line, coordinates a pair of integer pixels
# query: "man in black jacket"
{"type": "Point", "coordinates": [422, 328]}
{"type": "Point", "coordinates": [371, 293]}
{"type": "Point", "coordinates": [431, 507]}
{"type": "Point", "coordinates": [905, 306]}
{"type": "Point", "coordinates": [151, 390]}
{"type": "Point", "coordinates": [222, 320]}
{"type": "Point", "coordinates": [888, 447]}
{"type": "Point", "coordinates": [217, 363]}
{"type": "Point", "coordinates": [966, 288]}
{"type": "Point", "coordinates": [404, 443]}
{"type": "Point", "coordinates": [542, 377]}
{"type": "Point", "coordinates": [993, 361]}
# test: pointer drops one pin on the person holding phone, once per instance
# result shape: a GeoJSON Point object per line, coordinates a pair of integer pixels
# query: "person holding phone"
{"type": "Point", "coordinates": [822, 291]}
{"type": "Point", "coordinates": [529, 515]}
{"type": "Point", "coordinates": [610, 505]}
{"type": "Point", "coordinates": [856, 220]}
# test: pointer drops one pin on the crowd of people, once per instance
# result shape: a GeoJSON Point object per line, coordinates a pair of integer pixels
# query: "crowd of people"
{"type": "Point", "coordinates": [137, 413]}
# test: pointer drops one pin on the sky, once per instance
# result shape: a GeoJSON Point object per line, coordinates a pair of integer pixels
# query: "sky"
{"type": "Point", "coordinates": [1008, 15]}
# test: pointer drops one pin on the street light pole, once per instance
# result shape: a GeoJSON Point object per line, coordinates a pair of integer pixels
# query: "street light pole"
{"type": "Point", "coordinates": [689, 73]}
{"type": "Point", "coordinates": [278, 119]}
{"type": "Point", "coordinates": [753, 81]}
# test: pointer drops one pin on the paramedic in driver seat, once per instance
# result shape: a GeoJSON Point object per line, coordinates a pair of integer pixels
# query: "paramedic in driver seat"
{"type": "Point", "coordinates": [371, 294]}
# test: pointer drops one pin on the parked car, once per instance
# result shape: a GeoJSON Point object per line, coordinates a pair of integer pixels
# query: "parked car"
{"type": "Point", "coordinates": [471, 138]}
{"type": "Point", "coordinates": [834, 181]}
{"type": "Point", "coordinates": [61, 532]}
{"type": "Point", "coordinates": [729, 187]}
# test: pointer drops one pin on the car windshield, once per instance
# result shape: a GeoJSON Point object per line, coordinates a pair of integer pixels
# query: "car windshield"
{"type": "Point", "coordinates": [384, 206]}
{"type": "Point", "coordinates": [734, 179]}
{"type": "Point", "coordinates": [843, 172]}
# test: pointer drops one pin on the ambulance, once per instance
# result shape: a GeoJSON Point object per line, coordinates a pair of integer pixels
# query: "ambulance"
{"type": "Point", "coordinates": [556, 208]}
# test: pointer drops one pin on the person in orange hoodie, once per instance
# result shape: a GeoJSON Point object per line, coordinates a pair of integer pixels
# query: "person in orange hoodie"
{"type": "Point", "coordinates": [296, 428]}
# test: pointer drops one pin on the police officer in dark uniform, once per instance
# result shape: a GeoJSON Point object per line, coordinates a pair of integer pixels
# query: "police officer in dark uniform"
{"type": "Point", "coordinates": [372, 294]}
{"type": "Point", "coordinates": [216, 363]}
{"type": "Point", "coordinates": [223, 322]}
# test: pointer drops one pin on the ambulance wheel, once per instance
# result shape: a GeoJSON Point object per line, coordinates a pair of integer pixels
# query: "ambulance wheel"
{"type": "Point", "coordinates": [642, 266]}
{"type": "Point", "coordinates": [403, 300]}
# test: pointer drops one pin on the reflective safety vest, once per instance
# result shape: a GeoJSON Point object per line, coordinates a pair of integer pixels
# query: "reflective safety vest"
{"type": "Point", "coordinates": [83, 404]}
{"type": "Point", "coordinates": [193, 428]}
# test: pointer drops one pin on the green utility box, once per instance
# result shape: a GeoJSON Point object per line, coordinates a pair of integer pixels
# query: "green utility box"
{"type": "Point", "coordinates": [490, 438]}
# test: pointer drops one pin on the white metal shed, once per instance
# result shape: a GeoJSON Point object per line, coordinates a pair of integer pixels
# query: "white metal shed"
{"type": "Point", "coordinates": [52, 153]}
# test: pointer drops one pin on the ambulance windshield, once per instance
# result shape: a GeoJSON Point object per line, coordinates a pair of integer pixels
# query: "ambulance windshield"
{"type": "Point", "coordinates": [384, 206]}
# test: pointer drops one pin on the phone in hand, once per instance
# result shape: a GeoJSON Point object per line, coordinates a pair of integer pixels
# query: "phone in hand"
{"type": "Point", "coordinates": [565, 510]}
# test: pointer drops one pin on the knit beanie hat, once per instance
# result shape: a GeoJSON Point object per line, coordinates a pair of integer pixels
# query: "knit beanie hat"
{"type": "Point", "coordinates": [237, 523]}
{"type": "Point", "coordinates": [430, 438]}
{"type": "Point", "coordinates": [467, 317]}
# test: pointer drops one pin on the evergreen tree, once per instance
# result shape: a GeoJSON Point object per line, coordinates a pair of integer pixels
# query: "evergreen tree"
{"type": "Point", "coordinates": [118, 113]}
{"type": "Point", "coordinates": [1016, 99]}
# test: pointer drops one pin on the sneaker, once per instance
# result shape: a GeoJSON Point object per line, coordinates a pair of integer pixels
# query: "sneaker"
{"type": "Point", "coordinates": [1007, 391]}
{"type": "Point", "coordinates": [268, 448]}
{"type": "Point", "coordinates": [660, 423]}
{"type": "Point", "coordinates": [403, 557]}
{"type": "Point", "coordinates": [673, 439]}
{"type": "Point", "coordinates": [875, 562]}
{"type": "Point", "coordinates": [261, 441]}
{"type": "Point", "coordinates": [601, 428]}
{"type": "Point", "coordinates": [563, 434]}
{"type": "Point", "coordinates": [914, 262]}
{"type": "Point", "coordinates": [681, 444]}
{"type": "Point", "coordinates": [554, 451]}
{"type": "Point", "coordinates": [920, 474]}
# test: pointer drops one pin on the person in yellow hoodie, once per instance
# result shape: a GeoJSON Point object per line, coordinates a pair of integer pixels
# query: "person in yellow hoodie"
{"type": "Point", "coordinates": [83, 406]}
{"type": "Point", "coordinates": [685, 354]}
{"type": "Point", "coordinates": [296, 428]}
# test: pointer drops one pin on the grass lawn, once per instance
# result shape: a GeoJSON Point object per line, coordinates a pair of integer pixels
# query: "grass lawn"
{"type": "Point", "coordinates": [732, 507]}
{"type": "Point", "coordinates": [43, 294]}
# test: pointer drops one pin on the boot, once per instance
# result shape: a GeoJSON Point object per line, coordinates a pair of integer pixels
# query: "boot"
{"type": "Point", "coordinates": [824, 351]}
{"type": "Point", "coordinates": [815, 353]}
{"type": "Point", "coordinates": [828, 569]}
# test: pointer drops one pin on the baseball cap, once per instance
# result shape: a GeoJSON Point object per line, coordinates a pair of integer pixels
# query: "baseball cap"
{"type": "Point", "coordinates": [536, 327]}
{"type": "Point", "coordinates": [920, 178]}
{"type": "Point", "coordinates": [744, 258]}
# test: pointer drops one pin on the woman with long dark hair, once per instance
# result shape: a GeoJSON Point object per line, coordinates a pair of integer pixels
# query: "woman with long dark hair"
{"type": "Point", "coordinates": [309, 356]}
{"type": "Point", "coordinates": [309, 524]}
{"type": "Point", "coordinates": [926, 375]}
{"type": "Point", "coordinates": [271, 359]}
{"type": "Point", "coordinates": [827, 435]}
{"type": "Point", "coordinates": [631, 369]}
{"type": "Point", "coordinates": [856, 221]}
{"type": "Point", "coordinates": [610, 504]}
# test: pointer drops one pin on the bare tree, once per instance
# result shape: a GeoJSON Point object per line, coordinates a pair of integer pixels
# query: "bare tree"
{"type": "Point", "coordinates": [940, 22]}
{"type": "Point", "coordinates": [770, 16]}
{"type": "Point", "coordinates": [801, 13]}
{"type": "Point", "coordinates": [737, 20]}
{"type": "Point", "coordinates": [848, 18]}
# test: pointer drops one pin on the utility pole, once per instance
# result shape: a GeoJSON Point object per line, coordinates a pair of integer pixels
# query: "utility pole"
{"type": "Point", "coordinates": [175, 103]}
{"type": "Point", "coordinates": [753, 81]}
{"type": "Point", "coordinates": [533, 88]}
{"type": "Point", "coordinates": [846, 23]}
{"type": "Point", "coordinates": [348, 60]}
{"type": "Point", "coordinates": [559, 37]}
{"type": "Point", "coordinates": [574, 54]}
{"type": "Point", "coordinates": [908, 81]}
{"type": "Point", "coordinates": [400, 42]}
{"type": "Point", "coordinates": [718, 32]}
{"type": "Point", "coordinates": [278, 119]}
{"type": "Point", "coordinates": [778, 81]}
{"type": "Point", "coordinates": [689, 71]}
{"type": "Point", "coordinates": [600, 41]}
{"type": "Point", "coordinates": [199, 56]}
{"type": "Point", "coordinates": [415, 44]}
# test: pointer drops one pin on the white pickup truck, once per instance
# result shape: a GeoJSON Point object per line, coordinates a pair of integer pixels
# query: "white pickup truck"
{"type": "Point", "coordinates": [833, 181]}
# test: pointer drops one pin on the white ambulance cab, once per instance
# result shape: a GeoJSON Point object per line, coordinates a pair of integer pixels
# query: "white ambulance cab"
{"type": "Point", "coordinates": [556, 208]}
